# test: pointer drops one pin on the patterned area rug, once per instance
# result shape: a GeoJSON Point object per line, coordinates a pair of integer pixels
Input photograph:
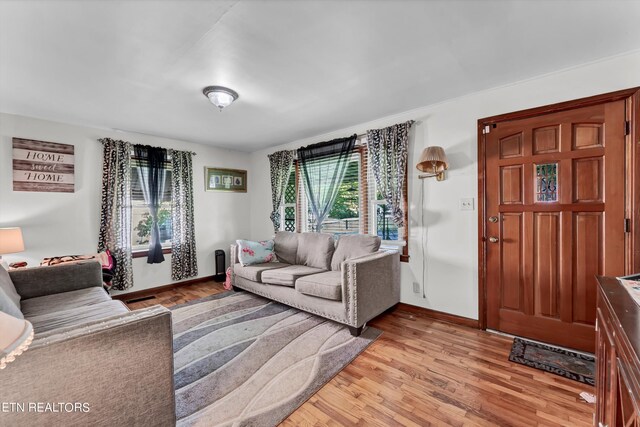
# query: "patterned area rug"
{"type": "Point", "coordinates": [569, 364]}
{"type": "Point", "coordinates": [243, 360]}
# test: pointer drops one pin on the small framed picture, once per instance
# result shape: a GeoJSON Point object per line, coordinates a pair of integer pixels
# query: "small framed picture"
{"type": "Point", "coordinates": [221, 179]}
{"type": "Point", "coordinates": [214, 181]}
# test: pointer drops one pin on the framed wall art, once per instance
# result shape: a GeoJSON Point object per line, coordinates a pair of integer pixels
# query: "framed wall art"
{"type": "Point", "coordinates": [220, 179]}
{"type": "Point", "coordinates": [43, 166]}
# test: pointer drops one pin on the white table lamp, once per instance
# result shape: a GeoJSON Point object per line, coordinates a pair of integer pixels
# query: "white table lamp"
{"type": "Point", "coordinates": [10, 242]}
{"type": "Point", "coordinates": [15, 337]}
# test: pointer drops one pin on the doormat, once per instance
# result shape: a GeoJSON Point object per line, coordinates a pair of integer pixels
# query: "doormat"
{"type": "Point", "coordinates": [569, 364]}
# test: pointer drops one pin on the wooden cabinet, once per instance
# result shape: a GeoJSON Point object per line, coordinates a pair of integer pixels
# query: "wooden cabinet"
{"type": "Point", "coordinates": [617, 350]}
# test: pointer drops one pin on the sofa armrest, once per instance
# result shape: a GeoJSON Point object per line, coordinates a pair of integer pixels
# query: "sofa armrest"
{"type": "Point", "coordinates": [39, 281]}
{"type": "Point", "coordinates": [120, 368]}
{"type": "Point", "coordinates": [371, 285]}
{"type": "Point", "coordinates": [233, 254]}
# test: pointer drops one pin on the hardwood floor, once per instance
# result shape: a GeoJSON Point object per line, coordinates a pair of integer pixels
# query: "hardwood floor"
{"type": "Point", "coordinates": [424, 372]}
{"type": "Point", "coordinates": [180, 295]}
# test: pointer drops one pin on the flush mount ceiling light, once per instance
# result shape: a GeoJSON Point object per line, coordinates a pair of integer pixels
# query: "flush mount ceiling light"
{"type": "Point", "coordinates": [220, 96]}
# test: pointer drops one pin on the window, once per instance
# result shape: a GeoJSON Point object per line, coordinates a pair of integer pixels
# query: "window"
{"type": "Point", "coordinates": [344, 217]}
{"type": "Point", "coordinates": [140, 214]}
{"type": "Point", "coordinates": [359, 207]}
{"type": "Point", "coordinates": [381, 221]}
{"type": "Point", "coordinates": [288, 207]}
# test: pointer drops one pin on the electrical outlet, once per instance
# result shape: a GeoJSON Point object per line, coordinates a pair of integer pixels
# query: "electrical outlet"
{"type": "Point", "coordinates": [466, 204]}
{"type": "Point", "coordinates": [416, 287]}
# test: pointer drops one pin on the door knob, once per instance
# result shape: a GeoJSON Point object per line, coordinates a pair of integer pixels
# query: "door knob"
{"type": "Point", "coordinates": [493, 219]}
{"type": "Point", "coordinates": [493, 239]}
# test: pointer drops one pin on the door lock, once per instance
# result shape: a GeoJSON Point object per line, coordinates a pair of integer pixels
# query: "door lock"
{"type": "Point", "coordinates": [493, 239]}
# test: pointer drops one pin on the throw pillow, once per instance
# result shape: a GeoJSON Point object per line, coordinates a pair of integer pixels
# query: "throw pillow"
{"type": "Point", "coordinates": [250, 253]}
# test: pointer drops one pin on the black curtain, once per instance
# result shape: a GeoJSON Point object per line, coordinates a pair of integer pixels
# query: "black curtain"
{"type": "Point", "coordinates": [152, 163]}
{"type": "Point", "coordinates": [323, 167]}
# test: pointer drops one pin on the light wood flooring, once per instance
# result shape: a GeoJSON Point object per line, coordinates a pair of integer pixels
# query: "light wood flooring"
{"type": "Point", "coordinates": [423, 372]}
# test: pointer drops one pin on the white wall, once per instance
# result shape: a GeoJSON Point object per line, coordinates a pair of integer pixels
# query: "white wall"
{"type": "Point", "coordinates": [67, 223]}
{"type": "Point", "coordinates": [450, 235]}
{"type": "Point", "coordinates": [60, 223]}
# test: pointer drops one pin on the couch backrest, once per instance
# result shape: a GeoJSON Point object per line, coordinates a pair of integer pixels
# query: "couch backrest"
{"type": "Point", "coordinates": [352, 246]}
{"type": "Point", "coordinates": [286, 246]}
{"type": "Point", "coordinates": [315, 250]}
{"type": "Point", "coordinates": [310, 249]}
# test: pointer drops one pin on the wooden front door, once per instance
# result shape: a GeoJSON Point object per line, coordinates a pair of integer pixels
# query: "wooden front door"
{"type": "Point", "coordinates": [555, 218]}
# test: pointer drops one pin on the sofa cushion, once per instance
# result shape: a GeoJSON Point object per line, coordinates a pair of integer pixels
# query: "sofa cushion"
{"type": "Point", "coordinates": [353, 246]}
{"type": "Point", "coordinates": [327, 285]}
{"type": "Point", "coordinates": [287, 276]}
{"type": "Point", "coordinates": [64, 301]}
{"type": "Point", "coordinates": [286, 246]}
{"type": "Point", "coordinates": [9, 298]}
{"type": "Point", "coordinates": [315, 250]}
{"type": "Point", "coordinates": [254, 272]}
{"type": "Point", "coordinates": [251, 253]}
{"type": "Point", "coordinates": [76, 316]}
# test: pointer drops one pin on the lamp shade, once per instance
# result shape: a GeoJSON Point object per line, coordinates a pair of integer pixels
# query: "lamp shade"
{"type": "Point", "coordinates": [433, 160]}
{"type": "Point", "coordinates": [11, 240]}
{"type": "Point", "coordinates": [15, 337]}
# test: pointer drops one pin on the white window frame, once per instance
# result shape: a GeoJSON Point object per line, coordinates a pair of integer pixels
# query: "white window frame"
{"type": "Point", "coordinates": [284, 205]}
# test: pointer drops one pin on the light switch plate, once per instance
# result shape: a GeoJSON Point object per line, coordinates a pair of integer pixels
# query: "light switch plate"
{"type": "Point", "coordinates": [467, 204]}
{"type": "Point", "coordinates": [416, 287]}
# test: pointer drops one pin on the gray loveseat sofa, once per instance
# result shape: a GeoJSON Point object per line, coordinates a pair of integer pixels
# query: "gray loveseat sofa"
{"type": "Point", "coordinates": [350, 282]}
{"type": "Point", "coordinates": [87, 349]}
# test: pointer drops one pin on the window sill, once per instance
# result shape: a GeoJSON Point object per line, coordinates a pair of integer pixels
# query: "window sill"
{"type": "Point", "coordinates": [143, 253]}
{"type": "Point", "coordinates": [392, 243]}
{"type": "Point", "coordinates": [396, 245]}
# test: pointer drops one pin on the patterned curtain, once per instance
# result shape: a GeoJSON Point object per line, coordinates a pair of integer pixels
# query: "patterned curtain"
{"type": "Point", "coordinates": [388, 157]}
{"type": "Point", "coordinates": [115, 220]}
{"type": "Point", "coordinates": [183, 242]}
{"type": "Point", "coordinates": [280, 163]}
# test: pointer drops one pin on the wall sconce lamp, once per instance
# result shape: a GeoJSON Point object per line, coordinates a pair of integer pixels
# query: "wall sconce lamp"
{"type": "Point", "coordinates": [433, 162]}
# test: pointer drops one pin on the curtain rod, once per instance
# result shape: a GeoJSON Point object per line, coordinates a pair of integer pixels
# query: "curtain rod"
{"type": "Point", "coordinates": [361, 135]}
{"type": "Point", "coordinates": [193, 153]}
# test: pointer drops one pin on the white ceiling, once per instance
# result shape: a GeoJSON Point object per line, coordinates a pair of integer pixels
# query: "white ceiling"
{"type": "Point", "coordinates": [301, 68]}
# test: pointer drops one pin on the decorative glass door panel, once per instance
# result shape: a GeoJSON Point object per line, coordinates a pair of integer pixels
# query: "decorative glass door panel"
{"type": "Point", "coordinates": [547, 182]}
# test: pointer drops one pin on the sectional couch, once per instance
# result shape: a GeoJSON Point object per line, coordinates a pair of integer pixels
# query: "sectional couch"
{"type": "Point", "coordinates": [88, 350]}
{"type": "Point", "coordinates": [350, 281]}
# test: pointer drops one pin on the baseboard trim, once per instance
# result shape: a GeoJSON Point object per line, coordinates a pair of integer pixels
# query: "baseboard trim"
{"type": "Point", "coordinates": [438, 315]}
{"type": "Point", "coordinates": [152, 291]}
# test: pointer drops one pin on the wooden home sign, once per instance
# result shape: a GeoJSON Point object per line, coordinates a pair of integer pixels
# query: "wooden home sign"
{"type": "Point", "coordinates": [42, 166]}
